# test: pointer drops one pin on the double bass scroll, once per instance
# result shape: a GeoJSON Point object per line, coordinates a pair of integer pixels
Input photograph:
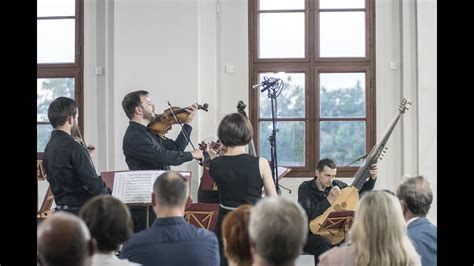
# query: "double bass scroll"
{"type": "Point", "coordinates": [240, 109]}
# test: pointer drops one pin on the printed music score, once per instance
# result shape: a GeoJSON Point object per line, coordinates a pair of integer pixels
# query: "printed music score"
{"type": "Point", "coordinates": [137, 186]}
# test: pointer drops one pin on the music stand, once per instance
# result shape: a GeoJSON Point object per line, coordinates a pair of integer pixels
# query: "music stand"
{"type": "Point", "coordinates": [109, 179]}
{"type": "Point", "coordinates": [336, 225]}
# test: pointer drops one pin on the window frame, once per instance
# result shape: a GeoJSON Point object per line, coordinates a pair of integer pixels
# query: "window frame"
{"type": "Point", "coordinates": [311, 65]}
{"type": "Point", "coordinates": [69, 70]}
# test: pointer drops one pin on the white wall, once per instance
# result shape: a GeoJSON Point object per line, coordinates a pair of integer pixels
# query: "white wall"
{"type": "Point", "coordinates": [427, 94]}
{"type": "Point", "coordinates": [178, 49]}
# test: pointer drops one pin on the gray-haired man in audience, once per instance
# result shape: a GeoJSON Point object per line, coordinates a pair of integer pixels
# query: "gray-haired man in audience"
{"type": "Point", "coordinates": [170, 240]}
{"type": "Point", "coordinates": [278, 229]}
{"type": "Point", "coordinates": [64, 239]}
{"type": "Point", "coordinates": [415, 196]}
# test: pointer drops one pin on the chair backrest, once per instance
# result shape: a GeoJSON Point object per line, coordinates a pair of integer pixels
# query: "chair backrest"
{"type": "Point", "coordinates": [203, 215]}
{"type": "Point", "coordinates": [45, 208]}
{"type": "Point", "coordinates": [40, 173]}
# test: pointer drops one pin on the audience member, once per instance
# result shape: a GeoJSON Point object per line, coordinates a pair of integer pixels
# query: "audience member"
{"type": "Point", "coordinates": [278, 229]}
{"type": "Point", "coordinates": [110, 224]}
{"type": "Point", "coordinates": [378, 235]}
{"type": "Point", "coordinates": [63, 239]}
{"type": "Point", "coordinates": [235, 236]}
{"type": "Point", "coordinates": [415, 196]}
{"type": "Point", "coordinates": [170, 240]}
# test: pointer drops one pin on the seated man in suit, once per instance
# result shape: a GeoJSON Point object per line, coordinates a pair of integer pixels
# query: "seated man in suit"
{"type": "Point", "coordinates": [170, 240]}
{"type": "Point", "coordinates": [415, 196]}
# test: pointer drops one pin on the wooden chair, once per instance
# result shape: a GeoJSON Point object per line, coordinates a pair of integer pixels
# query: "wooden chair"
{"type": "Point", "coordinates": [40, 173]}
{"type": "Point", "coordinates": [203, 215]}
{"type": "Point", "coordinates": [45, 209]}
{"type": "Point", "coordinates": [48, 199]}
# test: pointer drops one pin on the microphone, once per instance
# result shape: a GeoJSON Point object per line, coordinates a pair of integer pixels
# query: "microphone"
{"type": "Point", "coordinates": [267, 82]}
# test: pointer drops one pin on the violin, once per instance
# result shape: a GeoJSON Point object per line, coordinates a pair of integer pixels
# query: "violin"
{"type": "Point", "coordinates": [162, 123]}
{"type": "Point", "coordinates": [207, 157]}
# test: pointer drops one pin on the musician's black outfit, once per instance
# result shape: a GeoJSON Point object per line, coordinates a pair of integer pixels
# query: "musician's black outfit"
{"type": "Point", "coordinates": [144, 150]}
{"type": "Point", "coordinates": [70, 172]}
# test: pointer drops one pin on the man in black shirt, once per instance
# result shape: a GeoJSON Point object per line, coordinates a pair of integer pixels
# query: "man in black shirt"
{"type": "Point", "coordinates": [68, 166]}
{"type": "Point", "coordinates": [317, 195]}
{"type": "Point", "coordinates": [144, 150]}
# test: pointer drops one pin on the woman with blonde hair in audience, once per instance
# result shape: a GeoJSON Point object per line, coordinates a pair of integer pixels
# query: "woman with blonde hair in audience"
{"type": "Point", "coordinates": [235, 236]}
{"type": "Point", "coordinates": [378, 235]}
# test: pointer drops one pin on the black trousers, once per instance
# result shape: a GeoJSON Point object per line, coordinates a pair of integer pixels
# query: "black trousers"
{"type": "Point", "coordinates": [139, 217]}
{"type": "Point", "coordinates": [208, 196]}
{"type": "Point", "coordinates": [317, 245]}
{"type": "Point", "coordinates": [218, 232]}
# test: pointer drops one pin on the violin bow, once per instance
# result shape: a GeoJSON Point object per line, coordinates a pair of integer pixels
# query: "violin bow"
{"type": "Point", "coordinates": [85, 145]}
{"type": "Point", "coordinates": [181, 125]}
{"type": "Point", "coordinates": [201, 161]}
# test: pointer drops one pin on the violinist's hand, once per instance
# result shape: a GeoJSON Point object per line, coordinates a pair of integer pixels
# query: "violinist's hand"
{"type": "Point", "coordinates": [373, 171]}
{"type": "Point", "coordinates": [192, 112]}
{"type": "Point", "coordinates": [90, 149]}
{"type": "Point", "coordinates": [197, 154]}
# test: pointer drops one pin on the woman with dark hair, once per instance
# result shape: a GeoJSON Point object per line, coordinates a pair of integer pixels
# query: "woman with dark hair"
{"type": "Point", "coordinates": [110, 224]}
{"type": "Point", "coordinates": [239, 176]}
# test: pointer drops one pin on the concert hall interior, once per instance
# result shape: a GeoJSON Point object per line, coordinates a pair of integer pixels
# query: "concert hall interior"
{"type": "Point", "coordinates": [326, 79]}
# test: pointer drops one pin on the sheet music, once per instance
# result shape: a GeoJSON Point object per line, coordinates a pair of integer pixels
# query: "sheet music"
{"type": "Point", "coordinates": [137, 186]}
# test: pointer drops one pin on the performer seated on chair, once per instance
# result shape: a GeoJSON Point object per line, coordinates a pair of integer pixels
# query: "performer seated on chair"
{"type": "Point", "coordinates": [144, 150]}
{"type": "Point", "coordinates": [239, 176]}
{"type": "Point", "coordinates": [67, 164]}
{"type": "Point", "coordinates": [316, 195]}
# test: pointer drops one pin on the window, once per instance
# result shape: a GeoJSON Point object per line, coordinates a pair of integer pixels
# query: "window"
{"type": "Point", "coordinates": [60, 59]}
{"type": "Point", "coordinates": [323, 51]}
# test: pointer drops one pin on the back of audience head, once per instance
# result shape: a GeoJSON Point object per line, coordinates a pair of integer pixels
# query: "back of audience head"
{"type": "Point", "coordinates": [236, 236]}
{"type": "Point", "coordinates": [235, 130]}
{"type": "Point", "coordinates": [415, 195]}
{"type": "Point", "coordinates": [64, 239]}
{"type": "Point", "coordinates": [109, 222]}
{"type": "Point", "coordinates": [170, 190]}
{"type": "Point", "coordinates": [379, 232]}
{"type": "Point", "coordinates": [278, 230]}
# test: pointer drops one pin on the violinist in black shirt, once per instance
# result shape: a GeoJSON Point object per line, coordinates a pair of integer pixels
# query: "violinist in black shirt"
{"type": "Point", "coordinates": [144, 150]}
{"type": "Point", "coordinates": [68, 165]}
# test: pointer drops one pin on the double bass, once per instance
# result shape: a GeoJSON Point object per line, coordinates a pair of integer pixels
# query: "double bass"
{"type": "Point", "coordinates": [349, 196]}
{"type": "Point", "coordinates": [240, 109]}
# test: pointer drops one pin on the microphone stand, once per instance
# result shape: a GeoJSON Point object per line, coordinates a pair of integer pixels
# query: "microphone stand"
{"type": "Point", "coordinates": [274, 89]}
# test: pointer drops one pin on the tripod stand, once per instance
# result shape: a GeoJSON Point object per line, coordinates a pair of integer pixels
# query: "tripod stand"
{"type": "Point", "coordinates": [273, 86]}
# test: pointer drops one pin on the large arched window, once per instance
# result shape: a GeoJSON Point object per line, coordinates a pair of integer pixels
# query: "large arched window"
{"type": "Point", "coordinates": [59, 59]}
{"type": "Point", "coordinates": [324, 51]}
